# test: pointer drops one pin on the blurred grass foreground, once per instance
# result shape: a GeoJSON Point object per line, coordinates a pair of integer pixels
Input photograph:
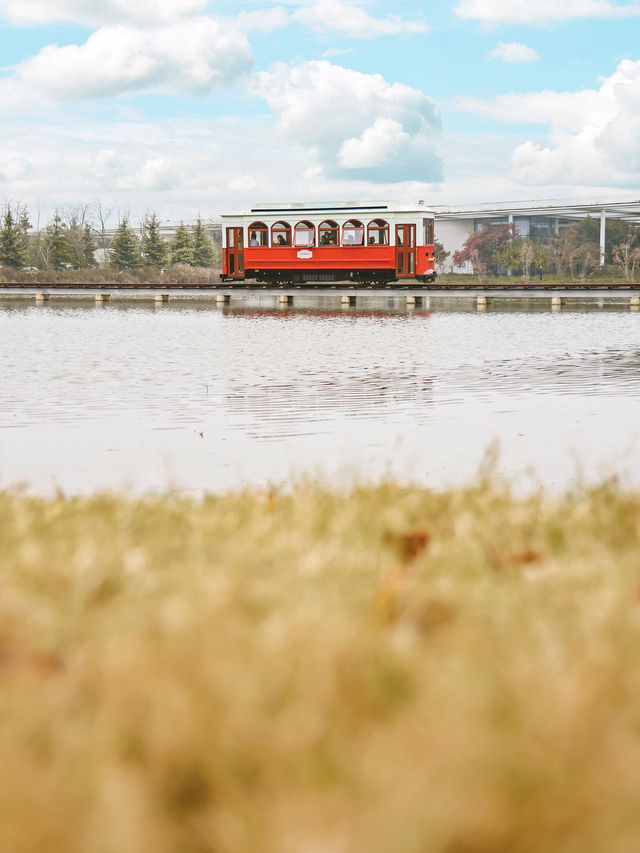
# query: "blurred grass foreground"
{"type": "Point", "coordinates": [387, 670]}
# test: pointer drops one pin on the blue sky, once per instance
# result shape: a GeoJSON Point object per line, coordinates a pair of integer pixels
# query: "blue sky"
{"type": "Point", "coordinates": [192, 106]}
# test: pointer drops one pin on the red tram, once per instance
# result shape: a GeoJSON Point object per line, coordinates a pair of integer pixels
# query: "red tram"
{"type": "Point", "coordinates": [360, 242]}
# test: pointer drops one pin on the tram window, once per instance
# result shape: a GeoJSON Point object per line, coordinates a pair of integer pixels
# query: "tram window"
{"type": "Point", "coordinates": [304, 234]}
{"type": "Point", "coordinates": [428, 232]}
{"type": "Point", "coordinates": [328, 233]}
{"type": "Point", "coordinates": [353, 233]}
{"type": "Point", "coordinates": [378, 233]}
{"type": "Point", "coordinates": [281, 234]}
{"type": "Point", "coordinates": [258, 234]}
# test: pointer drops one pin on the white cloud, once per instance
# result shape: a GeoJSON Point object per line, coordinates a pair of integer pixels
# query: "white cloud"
{"type": "Point", "coordinates": [377, 145]}
{"type": "Point", "coordinates": [336, 51]}
{"type": "Point", "coordinates": [594, 137]}
{"type": "Point", "coordinates": [120, 59]}
{"type": "Point", "coordinates": [263, 20]}
{"type": "Point", "coordinates": [513, 52]}
{"type": "Point", "coordinates": [97, 12]}
{"type": "Point", "coordinates": [172, 166]}
{"type": "Point", "coordinates": [352, 20]}
{"type": "Point", "coordinates": [242, 183]}
{"type": "Point", "coordinates": [542, 12]}
{"type": "Point", "coordinates": [344, 17]}
{"type": "Point", "coordinates": [336, 112]}
{"type": "Point", "coordinates": [14, 168]}
{"type": "Point", "coordinates": [562, 109]}
{"type": "Point", "coordinates": [157, 173]}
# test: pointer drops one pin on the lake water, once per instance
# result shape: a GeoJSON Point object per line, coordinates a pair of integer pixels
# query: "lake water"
{"type": "Point", "coordinates": [193, 397]}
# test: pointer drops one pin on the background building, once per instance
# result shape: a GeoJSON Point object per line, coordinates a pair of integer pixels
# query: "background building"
{"type": "Point", "coordinates": [534, 219]}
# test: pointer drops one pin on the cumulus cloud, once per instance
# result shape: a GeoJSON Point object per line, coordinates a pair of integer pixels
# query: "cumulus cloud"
{"type": "Point", "coordinates": [117, 60]}
{"type": "Point", "coordinates": [358, 124]}
{"type": "Point", "coordinates": [157, 173]}
{"type": "Point", "coordinates": [542, 12]}
{"type": "Point", "coordinates": [171, 166]}
{"type": "Point", "coordinates": [513, 52]}
{"type": "Point", "coordinates": [377, 146]}
{"type": "Point", "coordinates": [97, 12]}
{"type": "Point", "coordinates": [595, 133]}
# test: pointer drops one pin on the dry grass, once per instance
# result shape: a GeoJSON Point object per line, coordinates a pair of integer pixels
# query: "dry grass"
{"type": "Point", "coordinates": [177, 274]}
{"type": "Point", "coordinates": [390, 671]}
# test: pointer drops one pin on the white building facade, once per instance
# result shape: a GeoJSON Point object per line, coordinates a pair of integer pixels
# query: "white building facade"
{"type": "Point", "coordinates": [535, 219]}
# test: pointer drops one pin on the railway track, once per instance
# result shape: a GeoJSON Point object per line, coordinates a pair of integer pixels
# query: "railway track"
{"type": "Point", "coordinates": [237, 285]}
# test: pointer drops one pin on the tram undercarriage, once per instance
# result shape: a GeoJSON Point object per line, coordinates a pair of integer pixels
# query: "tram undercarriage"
{"type": "Point", "coordinates": [283, 277]}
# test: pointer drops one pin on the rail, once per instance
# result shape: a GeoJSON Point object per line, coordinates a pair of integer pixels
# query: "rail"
{"type": "Point", "coordinates": [243, 285]}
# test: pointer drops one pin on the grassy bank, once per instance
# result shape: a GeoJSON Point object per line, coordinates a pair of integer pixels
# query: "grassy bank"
{"type": "Point", "coordinates": [607, 276]}
{"type": "Point", "coordinates": [177, 274]}
{"type": "Point", "coordinates": [391, 670]}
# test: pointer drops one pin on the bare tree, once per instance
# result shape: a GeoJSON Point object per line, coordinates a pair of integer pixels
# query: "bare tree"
{"type": "Point", "coordinates": [480, 267]}
{"type": "Point", "coordinates": [526, 258]}
{"type": "Point", "coordinates": [561, 246]}
{"type": "Point", "coordinates": [583, 260]}
{"type": "Point", "coordinates": [40, 245]}
{"type": "Point", "coordinates": [103, 214]}
{"type": "Point", "coordinates": [627, 257]}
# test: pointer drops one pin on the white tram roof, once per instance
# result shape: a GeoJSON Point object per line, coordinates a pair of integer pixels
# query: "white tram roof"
{"type": "Point", "coordinates": [329, 209]}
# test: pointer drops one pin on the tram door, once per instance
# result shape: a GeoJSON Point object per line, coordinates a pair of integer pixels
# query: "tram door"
{"type": "Point", "coordinates": [235, 252]}
{"type": "Point", "coordinates": [405, 251]}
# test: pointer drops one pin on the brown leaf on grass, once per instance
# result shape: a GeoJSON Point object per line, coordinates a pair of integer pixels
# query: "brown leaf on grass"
{"type": "Point", "coordinates": [527, 557]}
{"type": "Point", "coordinates": [413, 542]}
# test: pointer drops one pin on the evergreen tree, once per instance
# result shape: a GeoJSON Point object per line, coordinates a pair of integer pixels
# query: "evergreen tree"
{"type": "Point", "coordinates": [14, 246]}
{"type": "Point", "coordinates": [59, 250]}
{"type": "Point", "coordinates": [440, 255]}
{"type": "Point", "coordinates": [154, 248]}
{"type": "Point", "coordinates": [25, 242]}
{"type": "Point", "coordinates": [124, 252]}
{"type": "Point", "coordinates": [181, 247]}
{"type": "Point", "coordinates": [88, 248]}
{"type": "Point", "coordinates": [75, 239]}
{"type": "Point", "coordinates": [203, 249]}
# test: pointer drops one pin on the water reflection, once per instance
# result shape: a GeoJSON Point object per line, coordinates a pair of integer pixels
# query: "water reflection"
{"type": "Point", "coordinates": [206, 398]}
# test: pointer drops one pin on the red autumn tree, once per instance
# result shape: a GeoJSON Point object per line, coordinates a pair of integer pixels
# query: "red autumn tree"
{"type": "Point", "coordinates": [481, 246]}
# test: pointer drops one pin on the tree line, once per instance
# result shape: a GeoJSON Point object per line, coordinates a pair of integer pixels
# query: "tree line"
{"type": "Point", "coordinates": [73, 240]}
{"type": "Point", "coordinates": [574, 252]}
